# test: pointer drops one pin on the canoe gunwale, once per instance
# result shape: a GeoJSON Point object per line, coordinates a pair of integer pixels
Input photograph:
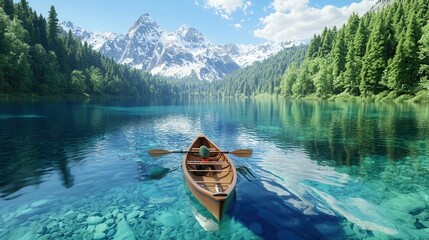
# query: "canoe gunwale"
{"type": "Point", "coordinates": [218, 199]}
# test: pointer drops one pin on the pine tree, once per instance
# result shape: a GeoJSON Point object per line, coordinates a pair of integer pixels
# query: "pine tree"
{"type": "Point", "coordinates": [8, 7]}
{"type": "Point", "coordinates": [361, 38]}
{"type": "Point", "coordinates": [403, 71]}
{"type": "Point", "coordinates": [53, 29]}
{"type": "Point", "coordinates": [374, 61]}
{"type": "Point", "coordinates": [424, 57]}
{"type": "Point", "coordinates": [327, 41]}
{"type": "Point", "coordinates": [353, 68]}
{"type": "Point", "coordinates": [351, 29]}
{"type": "Point", "coordinates": [314, 47]}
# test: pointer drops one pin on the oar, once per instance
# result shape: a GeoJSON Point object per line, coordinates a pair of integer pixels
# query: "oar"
{"type": "Point", "coordinates": [245, 153]}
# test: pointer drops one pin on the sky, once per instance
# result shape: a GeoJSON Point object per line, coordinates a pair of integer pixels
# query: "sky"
{"type": "Point", "coordinates": [222, 21]}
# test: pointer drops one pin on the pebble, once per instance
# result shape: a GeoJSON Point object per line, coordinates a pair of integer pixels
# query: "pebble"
{"type": "Point", "coordinates": [133, 215]}
{"type": "Point", "coordinates": [94, 220]}
{"type": "Point", "coordinates": [101, 227]}
{"type": "Point", "coordinates": [99, 235]}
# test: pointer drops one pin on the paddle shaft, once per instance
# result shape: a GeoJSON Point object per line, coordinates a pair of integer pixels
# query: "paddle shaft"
{"type": "Point", "coordinates": [239, 153]}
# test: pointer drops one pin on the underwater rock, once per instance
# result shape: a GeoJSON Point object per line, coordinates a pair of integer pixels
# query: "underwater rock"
{"type": "Point", "coordinates": [80, 217]}
{"type": "Point", "coordinates": [110, 222]}
{"type": "Point", "coordinates": [99, 235]}
{"type": "Point", "coordinates": [133, 214]}
{"type": "Point", "coordinates": [111, 232]}
{"type": "Point", "coordinates": [94, 220]}
{"type": "Point", "coordinates": [90, 228]}
{"type": "Point", "coordinates": [101, 227]}
{"type": "Point", "coordinates": [168, 219]}
{"type": "Point", "coordinates": [405, 202]}
{"type": "Point", "coordinates": [124, 231]}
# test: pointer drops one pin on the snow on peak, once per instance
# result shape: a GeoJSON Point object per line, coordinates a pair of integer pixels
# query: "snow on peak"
{"type": "Point", "coordinates": [183, 53]}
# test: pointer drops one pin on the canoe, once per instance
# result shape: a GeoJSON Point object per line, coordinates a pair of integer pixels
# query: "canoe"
{"type": "Point", "coordinates": [213, 186]}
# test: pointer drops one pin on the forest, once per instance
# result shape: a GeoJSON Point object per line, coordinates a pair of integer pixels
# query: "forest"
{"type": "Point", "coordinates": [37, 57]}
{"type": "Point", "coordinates": [383, 54]}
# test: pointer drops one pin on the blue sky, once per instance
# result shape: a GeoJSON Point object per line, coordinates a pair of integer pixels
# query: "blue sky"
{"type": "Point", "coordinates": [222, 21]}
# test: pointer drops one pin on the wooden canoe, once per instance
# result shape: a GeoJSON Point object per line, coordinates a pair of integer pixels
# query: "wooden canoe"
{"type": "Point", "coordinates": [213, 187]}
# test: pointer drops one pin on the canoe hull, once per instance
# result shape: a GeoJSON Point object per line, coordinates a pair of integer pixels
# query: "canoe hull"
{"type": "Point", "coordinates": [217, 190]}
{"type": "Point", "coordinates": [217, 207]}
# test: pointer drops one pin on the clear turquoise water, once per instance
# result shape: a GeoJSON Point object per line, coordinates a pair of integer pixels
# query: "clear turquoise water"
{"type": "Point", "coordinates": [320, 170]}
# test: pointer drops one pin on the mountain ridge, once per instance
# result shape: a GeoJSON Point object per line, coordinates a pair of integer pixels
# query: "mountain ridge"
{"type": "Point", "coordinates": [183, 53]}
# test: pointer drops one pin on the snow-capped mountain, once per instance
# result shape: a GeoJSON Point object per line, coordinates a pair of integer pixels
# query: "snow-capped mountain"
{"type": "Point", "coordinates": [245, 55]}
{"type": "Point", "coordinates": [95, 39]}
{"type": "Point", "coordinates": [183, 53]}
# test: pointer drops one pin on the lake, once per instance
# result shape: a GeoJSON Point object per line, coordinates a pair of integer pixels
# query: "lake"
{"type": "Point", "coordinates": [320, 170]}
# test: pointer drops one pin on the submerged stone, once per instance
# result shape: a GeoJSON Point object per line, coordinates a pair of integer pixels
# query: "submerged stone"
{"type": "Point", "coordinates": [133, 214]}
{"type": "Point", "coordinates": [94, 220]}
{"type": "Point", "coordinates": [168, 219]}
{"type": "Point", "coordinates": [123, 231]}
{"type": "Point", "coordinates": [99, 235]}
{"type": "Point", "coordinates": [101, 227]}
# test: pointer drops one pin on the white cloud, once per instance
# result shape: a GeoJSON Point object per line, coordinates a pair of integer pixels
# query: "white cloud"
{"type": "Point", "coordinates": [225, 8]}
{"type": "Point", "coordinates": [296, 20]}
{"type": "Point", "coordinates": [237, 26]}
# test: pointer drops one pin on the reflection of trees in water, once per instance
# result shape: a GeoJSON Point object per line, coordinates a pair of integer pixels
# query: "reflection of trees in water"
{"type": "Point", "coordinates": [34, 147]}
{"type": "Point", "coordinates": [339, 132]}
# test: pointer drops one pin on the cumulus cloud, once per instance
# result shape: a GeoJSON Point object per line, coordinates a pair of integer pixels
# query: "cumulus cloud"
{"type": "Point", "coordinates": [237, 26]}
{"type": "Point", "coordinates": [225, 8]}
{"type": "Point", "coordinates": [296, 20]}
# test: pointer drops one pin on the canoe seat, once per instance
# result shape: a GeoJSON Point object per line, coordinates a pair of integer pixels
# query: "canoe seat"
{"type": "Point", "coordinates": [209, 170]}
{"type": "Point", "coordinates": [220, 194]}
{"type": "Point", "coordinates": [204, 163]}
{"type": "Point", "coordinates": [197, 150]}
{"type": "Point", "coordinates": [212, 181]}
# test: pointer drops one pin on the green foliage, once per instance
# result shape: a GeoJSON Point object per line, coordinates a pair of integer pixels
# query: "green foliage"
{"type": "Point", "coordinates": [424, 58]}
{"type": "Point", "coordinates": [36, 57]}
{"type": "Point", "coordinates": [384, 50]}
{"type": "Point", "coordinates": [261, 77]}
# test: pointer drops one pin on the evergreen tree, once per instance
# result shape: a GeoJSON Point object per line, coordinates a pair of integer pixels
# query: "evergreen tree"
{"type": "Point", "coordinates": [327, 41]}
{"type": "Point", "coordinates": [374, 61]}
{"type": "Point", "coordinates": [4, 50]}
{"type": "Point", "coordinates": [361, 38]}
{"type": "Point", "coordinates": [53, 29]}
{"type": "Point", "coordinates": [353, 68]}
{"type": "Point", "coordinates": [403, 70]}
{"type": "Point", "coordinates": [314, 47]}
{"type": "Point", "coordinates": [424, 57]}
{"type": "Point", "coordinates": [351, 29]}
{"type": "Point", "coordinates": [8, 7]}
{"type": "Point", "coordinates": [339, 53]}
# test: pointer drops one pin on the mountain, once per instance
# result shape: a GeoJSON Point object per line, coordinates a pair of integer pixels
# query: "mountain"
{"type": "Point", "coordinates": [183, 53]}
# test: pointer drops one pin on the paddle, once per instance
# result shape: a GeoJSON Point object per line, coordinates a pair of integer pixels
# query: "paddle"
{"type": "Point", "coordinates": [245, 153]}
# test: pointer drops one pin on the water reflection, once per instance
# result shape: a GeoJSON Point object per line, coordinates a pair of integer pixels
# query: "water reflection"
{"type": "Point", "coordinates": [320, 170]}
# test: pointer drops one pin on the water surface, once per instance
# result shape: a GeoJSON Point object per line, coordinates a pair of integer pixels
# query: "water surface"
{"type": "Point", "coordinates": [320, 170]}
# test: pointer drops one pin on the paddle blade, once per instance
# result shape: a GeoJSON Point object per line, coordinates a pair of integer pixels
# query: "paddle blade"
{"type": "Point", "coordinates": [245, 153]}
{"type": "Point", "coordinates": [158, 152]}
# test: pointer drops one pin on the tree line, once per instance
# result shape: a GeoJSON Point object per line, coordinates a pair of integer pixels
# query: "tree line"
{"type": "Point", "coordinates": [37, 57]}
{"type": "Point", "coordinates": [386, 51]}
